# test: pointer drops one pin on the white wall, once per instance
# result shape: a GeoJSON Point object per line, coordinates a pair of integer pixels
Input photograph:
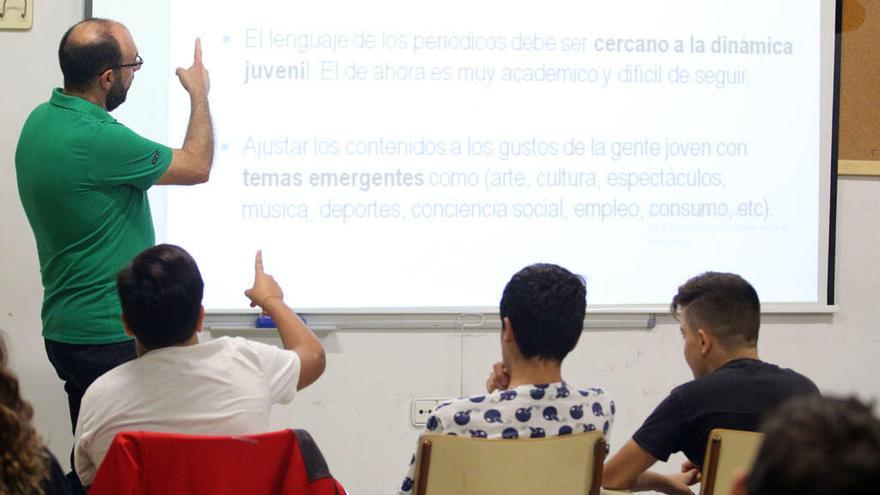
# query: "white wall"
{"type": "Point", "coordinates": [359, 410]}
{"type": "Point", "coordinates": [28, 73]}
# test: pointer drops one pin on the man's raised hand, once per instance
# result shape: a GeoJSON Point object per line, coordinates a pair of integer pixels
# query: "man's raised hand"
{"type": "Point", "coordinates": [195, 79]}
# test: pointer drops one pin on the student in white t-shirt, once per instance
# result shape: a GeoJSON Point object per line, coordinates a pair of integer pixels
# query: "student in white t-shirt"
{"type": "Point", "coordinates": [224, 386]}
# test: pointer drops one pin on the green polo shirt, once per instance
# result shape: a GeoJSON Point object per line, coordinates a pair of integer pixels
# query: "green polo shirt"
{"type": "Point", "coordinates": [83, 180]}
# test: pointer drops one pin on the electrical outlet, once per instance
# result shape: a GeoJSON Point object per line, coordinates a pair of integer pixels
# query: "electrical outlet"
{"type": "Point", "coordinates": [422, 409]}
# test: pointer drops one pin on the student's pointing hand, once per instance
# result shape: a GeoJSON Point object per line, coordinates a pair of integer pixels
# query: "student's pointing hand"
{"type": "Point", "coordinates": [265, 287]}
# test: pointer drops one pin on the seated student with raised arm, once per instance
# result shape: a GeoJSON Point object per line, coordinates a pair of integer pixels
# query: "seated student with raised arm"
{"type": "Point", "coordinates": [720, 315]}
{"type": "Point", "coordinates": [542, 317]}
{"type": "Point", "coordinates": [222, 387]}
{"type": "Point", "coordinates": [816, 446]}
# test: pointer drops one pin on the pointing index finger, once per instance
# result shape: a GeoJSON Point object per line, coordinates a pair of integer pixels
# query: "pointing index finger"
{"type": "Point", "coordinates": [258, 262]}
{"type": "Point", "coordinates": [197, 55]}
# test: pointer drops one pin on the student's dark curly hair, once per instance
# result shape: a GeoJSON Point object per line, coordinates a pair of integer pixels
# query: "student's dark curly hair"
{"type": "Point", "coordinates": [818, 446]}
{"type": "Point", "coordinates": [545, 304]}
{"type": "Point", "coordinates": [23, 462]}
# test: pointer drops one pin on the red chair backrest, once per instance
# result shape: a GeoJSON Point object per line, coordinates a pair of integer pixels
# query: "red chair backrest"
{"type": "Point", "coordinates": [147, 463]}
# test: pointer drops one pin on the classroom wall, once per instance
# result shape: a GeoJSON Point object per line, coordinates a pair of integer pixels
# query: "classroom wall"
{"type": "Point", "coordinates": [359, 410]}
{"type": "Point", "coordinates": [29, 71]}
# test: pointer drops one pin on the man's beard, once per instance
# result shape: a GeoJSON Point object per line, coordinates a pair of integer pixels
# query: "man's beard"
{"type": "Point", "coordinates": [116, 95]}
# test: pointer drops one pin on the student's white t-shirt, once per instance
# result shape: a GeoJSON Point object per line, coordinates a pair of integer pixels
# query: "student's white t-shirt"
{"type": "Point", "coordinates": [223, 387]}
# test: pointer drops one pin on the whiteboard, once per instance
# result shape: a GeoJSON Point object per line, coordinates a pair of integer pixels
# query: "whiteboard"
{"type": "Point", "coordinates": [402, 157]}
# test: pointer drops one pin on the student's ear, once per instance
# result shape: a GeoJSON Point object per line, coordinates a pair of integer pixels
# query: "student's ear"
{"type": "Point", "coordinates": [126, 327]}
{"type": "Point", "coordinates": [201, 320]}
{"type": "Point", "coordinates": [706, 341]}
{"type": "Point", "coordinates": [506, 330]}
{"type": "Point", "coordinates": [740, 480]}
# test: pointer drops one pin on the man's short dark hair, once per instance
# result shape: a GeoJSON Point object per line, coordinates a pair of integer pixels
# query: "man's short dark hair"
{"type": "Point", "coordinates": [818, 446]}
{"type": "Point", "coordinates": [161, 295]}
{"type": "Point", "coordinates": [545, 304]}
{"type": "Point", "coordinates": [81, 63]}
{"type": "Point", "coordinates": [723, 303]}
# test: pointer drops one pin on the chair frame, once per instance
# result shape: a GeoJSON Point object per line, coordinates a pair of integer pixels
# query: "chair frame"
{"type": "Point", "coordinates": [713, 456]}
{"type": "Point", "coordinates": [707, 484]}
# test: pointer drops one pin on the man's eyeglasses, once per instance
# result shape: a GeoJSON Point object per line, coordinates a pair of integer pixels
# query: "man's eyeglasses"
{"type": "Point", "coordinates": [138, 62]}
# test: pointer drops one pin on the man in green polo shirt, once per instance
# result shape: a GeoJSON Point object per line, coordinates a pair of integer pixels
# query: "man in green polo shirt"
{"type": "Point", "coordinates": [83, 180]}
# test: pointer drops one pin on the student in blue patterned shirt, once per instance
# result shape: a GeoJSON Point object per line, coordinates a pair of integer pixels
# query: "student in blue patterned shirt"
{"type": "Point", "coordinates": [542, 315]}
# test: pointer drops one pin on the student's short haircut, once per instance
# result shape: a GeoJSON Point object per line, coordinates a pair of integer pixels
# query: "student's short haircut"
{"type": "Point", "coordinates": [161, 295]}
{"type": "Point", "coordinates": [545, 304]}
{"type": "Point", "coordinates": [818, 446]}
{"type": "Point", "coordinates": [723, 303]}
{"type": "Point", "coordinates": [81, 63]}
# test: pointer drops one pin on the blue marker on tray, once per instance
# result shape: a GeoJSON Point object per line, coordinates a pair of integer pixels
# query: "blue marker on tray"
{"type": "Point", "coordinates": [265, 321]}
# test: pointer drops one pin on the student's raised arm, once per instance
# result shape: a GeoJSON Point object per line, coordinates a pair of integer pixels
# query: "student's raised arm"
{"type": "Point", "coordinates": [295, 334]}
